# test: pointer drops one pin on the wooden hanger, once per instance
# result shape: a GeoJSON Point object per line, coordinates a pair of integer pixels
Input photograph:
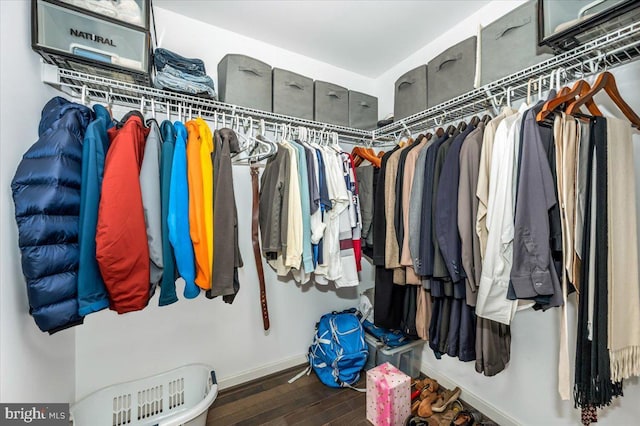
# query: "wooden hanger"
{"type": "Point", "coordinates": [360, 154]}
{"type": "Point", "coordinates": [580, 88]}
{"type": "Point", "coordinates": [474, 121]}
{"type": "Point", "coordinates": [607, 82]}
{"type": "Point", "coordinates": [462, 126]}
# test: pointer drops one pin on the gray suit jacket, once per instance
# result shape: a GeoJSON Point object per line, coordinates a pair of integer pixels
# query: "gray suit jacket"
{"type": "Point", "coordinates": [533, 274]}
{"type": "Point", "coordinates": [468, 211]}
{"type": "Point", "coordinates": [415, 204]}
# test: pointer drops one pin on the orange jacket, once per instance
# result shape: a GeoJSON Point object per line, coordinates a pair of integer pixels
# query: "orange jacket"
{"type": "Point", "coordinates": [197, 229]}
{"type": "Point", "coordinates": [206, 149]}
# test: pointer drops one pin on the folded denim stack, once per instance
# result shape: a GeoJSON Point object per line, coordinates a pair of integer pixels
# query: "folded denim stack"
{"type": "Point", "coordinates": [180, 74]}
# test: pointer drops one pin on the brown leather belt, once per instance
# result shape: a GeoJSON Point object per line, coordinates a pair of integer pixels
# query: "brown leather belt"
{"type": "Point", "coordinates": [256, 246]}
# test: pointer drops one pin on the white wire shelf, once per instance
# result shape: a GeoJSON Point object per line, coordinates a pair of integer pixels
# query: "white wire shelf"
{"type": "Point", "coordinates": [105, 90]}
{"type": "Point", "coordinates": [608, 51]}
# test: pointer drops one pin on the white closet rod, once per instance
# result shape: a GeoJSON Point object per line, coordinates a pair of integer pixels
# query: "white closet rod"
{"type": "Point", "coordinates": [100, 89]}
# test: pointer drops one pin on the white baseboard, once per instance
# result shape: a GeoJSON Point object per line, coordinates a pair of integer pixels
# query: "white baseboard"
{"type": "Point", "coordinates": [265, 370]}
{"type": "Point", "coordinates": [476, 401]}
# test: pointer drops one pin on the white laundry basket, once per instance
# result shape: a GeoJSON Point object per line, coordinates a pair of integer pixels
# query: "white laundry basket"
{"type": "Point", "coordinates": [177, 397]}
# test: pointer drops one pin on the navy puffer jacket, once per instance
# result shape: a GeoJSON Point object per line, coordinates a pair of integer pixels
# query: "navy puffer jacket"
{"type": "Point", "coordinates": [46, 193]}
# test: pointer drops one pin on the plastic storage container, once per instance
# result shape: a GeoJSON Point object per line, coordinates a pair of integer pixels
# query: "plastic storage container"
{"type": "Point", "coordinates": [177, 397]}
{"type": "Point", "coordinates": [563, 25]}
{"type": "Point", "coordinates": [292, 94]}
{"type": "Point", "coordinates": [410, 93]}
{"type": "Point", "coordinates": [406, 358]}
{"type": "Point", "coordinates": [60, 34]}
{"type": "Point", "coordinates": [331, 104]}
{"type": "Point", "coordinates": [515, 33]}
{"type": "Point", "coordinates": [373, 346]}
{"type": "Point", "coordinates": [245, 81]}
{"type": "Point", "coordinates": [363, 110]}
{"type": "Point", "coordinates": [132, 12]}
{"type": "Point", "coordinates": [452, 72]}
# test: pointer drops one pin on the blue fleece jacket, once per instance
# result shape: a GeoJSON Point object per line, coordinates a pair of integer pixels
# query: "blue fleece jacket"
{"type": "Point", "coordinates": [178, 216]}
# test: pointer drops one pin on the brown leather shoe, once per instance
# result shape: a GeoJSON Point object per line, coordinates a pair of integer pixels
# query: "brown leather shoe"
{"type": "Point", "coordinates": [424, 409]}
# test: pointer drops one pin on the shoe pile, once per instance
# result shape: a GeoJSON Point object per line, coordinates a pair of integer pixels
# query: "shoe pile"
{"type": "Point", "coordinates": [183, 75]}
{"type": "Point", "coordinates": [435, 406]}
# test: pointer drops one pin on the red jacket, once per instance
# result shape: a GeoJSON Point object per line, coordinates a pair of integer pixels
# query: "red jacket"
{"type": "Point", "coordinates": [121, 238]}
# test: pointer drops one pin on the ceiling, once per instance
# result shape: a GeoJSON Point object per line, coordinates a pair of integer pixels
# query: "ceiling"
{"type": "Point", "coordinates": [366, 37]}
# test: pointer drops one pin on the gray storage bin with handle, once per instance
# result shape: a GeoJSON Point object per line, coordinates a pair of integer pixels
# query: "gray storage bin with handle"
{"type": "Point", "coordinates": [410, 93]}
{"type": "Point", "coordinates": [452, 72]}
{"type": "Point", "coordinates": [363, 110]}
{"type": "Point", "coordinates": [292, 94]}
{"type": "Point", "coordinates": [331, 103]}
{"type": "Point", "coordinates": [245, 81]}
{"type": "Point", "coordinates": [510, 44]}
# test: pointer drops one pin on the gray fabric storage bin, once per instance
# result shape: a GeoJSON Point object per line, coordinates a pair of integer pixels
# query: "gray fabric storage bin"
{"type": "Point", "coordinates": [245, 81]}
{"type": "Point", "coordinates": [452, 72]}
{"type": "Point", "coordinates": [510, 44]}
{"type": "Point", "coordinates": [363, 110]}
{"type": "Point", "coordinates": [410, 93]}
{"type": "Point", "coordinates": [292, 94]}
{"type": "Point", "coordinates": [331, 103]}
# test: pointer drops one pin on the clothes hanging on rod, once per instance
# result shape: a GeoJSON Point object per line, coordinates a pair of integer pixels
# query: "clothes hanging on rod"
{"type": "Point", "coordinates": [310, 216]}
{"type": "Point", "coordinates": [146, 195]}
{"type": "Point", "coordinates": [479, 262]}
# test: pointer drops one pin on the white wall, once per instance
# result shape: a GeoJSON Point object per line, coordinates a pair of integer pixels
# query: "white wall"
{"type": "Point", "coordinates": [193, 38]}
{"type": "Point", "coordinates": [459, 31]}
{"type": "Point", "coordinates": [33, 365]}
{"type": "Point", "coordinates": [112, 348]}
{"type": "Point", "coordinates": [526, 392]}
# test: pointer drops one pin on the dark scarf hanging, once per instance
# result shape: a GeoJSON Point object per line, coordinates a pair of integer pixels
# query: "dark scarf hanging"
{"type": "Point", "coordinates": [593, 388]}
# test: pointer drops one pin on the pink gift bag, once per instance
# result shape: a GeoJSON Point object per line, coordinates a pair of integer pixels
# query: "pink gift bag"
{"type": "Point", "coordinates": [388, 396]}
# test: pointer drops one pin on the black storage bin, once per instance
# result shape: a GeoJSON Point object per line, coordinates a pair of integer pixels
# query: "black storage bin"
{"type": "Point", "coordinates": [331, 104]}
{"type": "Point", "coordinates": [410, 93]}
{"type": "Point", "coordinates": [129, 12]}
{"type": "Point", "coordinates": [452, 72]}
{"type": "Point", "coordinates": [363, 110]}
{"type": "Point", "coordinates": [88, 43]}
{"type": "Point", "coordinates": [245, 81]}
{"type": "Point", "coordinates": [509, 44]}
{"type": "Point", "coordinates": [563, 25]}
{"type": "Point", "coordinates": [292, 94]}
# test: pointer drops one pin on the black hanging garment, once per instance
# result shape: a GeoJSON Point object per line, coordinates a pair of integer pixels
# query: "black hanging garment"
{"type": "Point", "coordinates": [593, 388]}
{"type": "Point", "coordinates": [388, 297]}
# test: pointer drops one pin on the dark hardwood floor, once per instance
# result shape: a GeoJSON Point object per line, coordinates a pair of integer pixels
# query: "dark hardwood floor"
{"type": "Point", "coordinates": [273, 401]}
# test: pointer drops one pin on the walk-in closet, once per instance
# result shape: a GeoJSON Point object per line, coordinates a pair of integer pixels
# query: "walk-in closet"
{"type": "Point", "coordinates": [318, 212]}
